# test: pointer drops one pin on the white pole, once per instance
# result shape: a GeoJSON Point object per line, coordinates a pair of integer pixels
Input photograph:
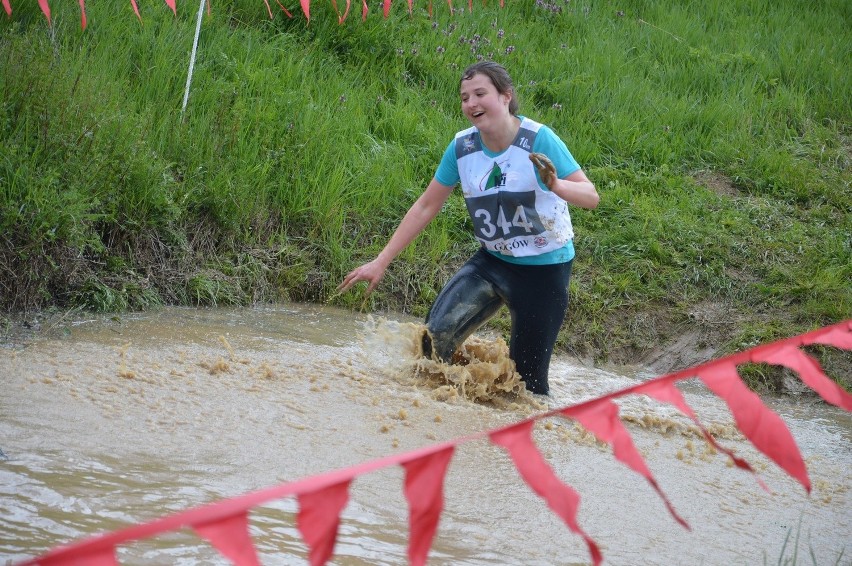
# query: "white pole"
{"type": "Point", "coordinates": [192, 58]}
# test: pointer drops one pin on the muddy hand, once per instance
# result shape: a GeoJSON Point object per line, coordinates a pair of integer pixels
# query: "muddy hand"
{"type": "Point", "coordinates": [371, 272]}
{"type": "Point", "coordinates": [545, 167]}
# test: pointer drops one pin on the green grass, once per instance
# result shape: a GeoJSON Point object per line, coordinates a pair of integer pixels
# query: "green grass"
{"type": "Point", "coordinates": [791, 557]}
{"type": "Point", "coordinates": [718, 134]}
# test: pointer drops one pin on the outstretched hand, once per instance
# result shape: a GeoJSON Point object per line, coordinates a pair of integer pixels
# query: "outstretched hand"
{"type": "Point", "coordinates": [372, 272]}
{"type": "Point", "coordinates": [545, 167]}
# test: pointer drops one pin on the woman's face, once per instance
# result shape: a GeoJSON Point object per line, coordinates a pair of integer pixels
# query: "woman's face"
{"type": "Point", "coordinates": [481, 103]}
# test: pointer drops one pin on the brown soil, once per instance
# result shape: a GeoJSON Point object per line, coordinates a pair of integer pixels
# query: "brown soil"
{"type": "Point", "coordinates": [716, 182]}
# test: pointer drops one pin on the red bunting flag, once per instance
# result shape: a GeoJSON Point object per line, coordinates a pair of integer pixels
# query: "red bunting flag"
{"type": "Point", "coordinates": [305, 4]}
{"type": "Point", "coordinates": [839, 335]}
{"type": "Point", "coordinates": [341, 17]}
{"type": "Point", "coordinates": [136, 10]}
{"type": "Point", "coordinates": [83, 14]}
{"type": "Point", "coordinates": [666, 392]}
{"type": "Point", "coordinates": [602, 420]}
{"type": "Point", "coordinates": [809, 371]}
{"type": "Point", "coordinates": [319, 519]}
{"type": "Point", "coordinates": [46, 9]}
{"type": "Point", "coordinates": [756, 421]}
{"type": "Point", "coordinates": [424, 491]}
{"type": "Point", "coordinates": [231, 537]}
{"type": "Point", "coordinates": [562, 499]}
{"type": "Point", "coordinates": [280, 5]}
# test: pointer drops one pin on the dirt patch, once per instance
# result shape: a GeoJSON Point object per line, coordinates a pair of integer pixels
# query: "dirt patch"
{"type": "Point", "coordinates": [681, 352]}
{"type": "Point", "coordinates": [692, 342]}
{"type": "Point", "coordinates": [717, 182]}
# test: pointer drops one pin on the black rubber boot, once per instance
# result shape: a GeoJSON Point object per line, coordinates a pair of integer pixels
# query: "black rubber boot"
{"type": "Point", "coordinates": [465, 303]}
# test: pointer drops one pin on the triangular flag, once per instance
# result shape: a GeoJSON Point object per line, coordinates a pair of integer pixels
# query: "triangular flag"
{"type": "Point", "coordinates": [839, 335]}
{"type": "Point", "coordinates": [810, 372]}
{"type": "Point", "coordinates": [231, 537]}
{"type": "Point", "coordinates": [562, 499]}
{"type": "Point", "coordinates": [602, 420]}
{"type": "Point", "coordinates": [424, 490]}
{"type": "Point", "coordinates": [46, 9]}
{"type": "Point", "coordinates": [666, 392]}
{"type": "Point", "coordinates": [136, 9]}
{"type": "Point", "coordinates": [760, 425]}
{"type": "Point", "coordinates": [319, 519]}
{"type": "Point", "coordinates": [83, 14]}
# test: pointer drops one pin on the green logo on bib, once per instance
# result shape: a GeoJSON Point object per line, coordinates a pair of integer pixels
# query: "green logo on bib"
{"type": "Point", "coordinates": [496, 179]}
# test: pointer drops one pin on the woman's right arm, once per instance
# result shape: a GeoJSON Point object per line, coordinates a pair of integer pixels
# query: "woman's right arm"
{"type": "Point", "coordinates": [415, 220]}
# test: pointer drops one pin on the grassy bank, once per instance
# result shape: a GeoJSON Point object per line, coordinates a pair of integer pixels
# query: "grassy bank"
{"type": "Point", "coordinates": [718, 134]}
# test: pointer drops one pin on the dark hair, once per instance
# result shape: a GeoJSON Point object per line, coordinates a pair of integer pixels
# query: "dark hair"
{"type": "Point", "coordinates": [499, 77]}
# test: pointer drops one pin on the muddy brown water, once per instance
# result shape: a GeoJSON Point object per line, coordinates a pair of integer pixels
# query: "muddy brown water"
{"type": "Point", "coordinates": [123, 421]}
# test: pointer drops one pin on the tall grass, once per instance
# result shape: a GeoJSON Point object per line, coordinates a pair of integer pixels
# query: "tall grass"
{"type": "Point", "coordinates": [717, 133]}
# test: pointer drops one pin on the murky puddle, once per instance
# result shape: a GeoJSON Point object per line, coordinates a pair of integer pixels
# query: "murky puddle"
{"type": "Point", "coordinates": [124, 421]}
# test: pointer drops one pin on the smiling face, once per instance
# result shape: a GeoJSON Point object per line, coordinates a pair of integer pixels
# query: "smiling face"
{"type": "Point", "coordinates": [483, 104]}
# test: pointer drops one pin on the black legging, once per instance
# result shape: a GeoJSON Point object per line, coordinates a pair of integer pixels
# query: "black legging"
{"type": "Point", "coordinates": [537, 297]}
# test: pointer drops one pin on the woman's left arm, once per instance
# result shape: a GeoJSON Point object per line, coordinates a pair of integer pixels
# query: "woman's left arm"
{"type": "Point", "coordinates": [576, 189]}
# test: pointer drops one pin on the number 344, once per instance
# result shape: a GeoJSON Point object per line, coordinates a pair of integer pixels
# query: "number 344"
{"type": "Point", "coordinates": [488, 226]}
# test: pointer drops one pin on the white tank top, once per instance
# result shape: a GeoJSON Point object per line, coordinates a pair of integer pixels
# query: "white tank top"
{"type": "Point", "coordinates": [512, 215]}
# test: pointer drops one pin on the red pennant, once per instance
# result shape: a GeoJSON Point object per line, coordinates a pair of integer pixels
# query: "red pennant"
{"type": "Point", "coordinates": [666, 392]}
{"type": "Point", "coordinates": [364, 10]}
{"type": "Point", "coordinates": [306, 8]}
{"type": "Point", "coordinates": [231, 537]}
{"type": "Point", "coordinates": [386, 7]}
{"type": "Point", "coordinates": [424, 490]}
{"type": "Point", "coordinates": [341, 17]}
{"type": "Point", "coordinates": [319, 519]}
{"type": "Point", "coordinates": [7, 7]}
{"type": "Point", "coordinates": [171, 4]}
{"type": "Point", "coordinates": [809, 371]}
{"type": "Point", "coordinates": [562, 499]}
{"type": "Point", "coordinates": [136, 9]}
{"type": "Point", "coordinates": [285, 10]}
{"type": "Point", "coordinates": [602, 420]}
{"type": "Point", "coordinates": [83, 14]}
{"type": "Point", "coordinates": [839, 335]}
{"type": "Point", "coordinates": [759, 424]}
{"type": "Point", "coordinates": [46, 9]}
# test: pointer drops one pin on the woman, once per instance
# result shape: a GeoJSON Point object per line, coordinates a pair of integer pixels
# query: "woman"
{"type": "Point", "coordinates": [517, 177]}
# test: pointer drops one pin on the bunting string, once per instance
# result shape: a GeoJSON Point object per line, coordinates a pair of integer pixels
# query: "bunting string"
{"type": "Point", "coordinates": [322, 498]}
{"type": "Point", "coordinates": [304, 4]}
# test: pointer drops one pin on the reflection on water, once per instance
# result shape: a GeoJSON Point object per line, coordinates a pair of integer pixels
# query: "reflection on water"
{"type": "Point", "coordinates": [123, 421]}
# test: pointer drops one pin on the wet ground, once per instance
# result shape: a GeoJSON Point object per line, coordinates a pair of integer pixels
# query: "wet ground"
{"type": "Point", "coordinates": [117, 421]}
